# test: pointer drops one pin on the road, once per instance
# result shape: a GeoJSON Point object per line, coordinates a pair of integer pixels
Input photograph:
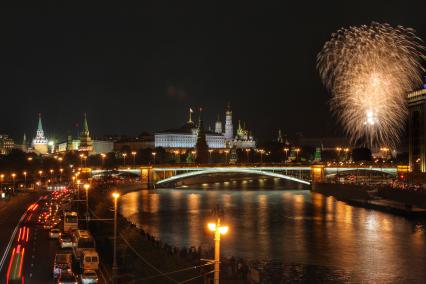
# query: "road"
{"type": "Point", "coordinates": [28, 251]}
{"type": "Point", "coordinates": [11, 211]}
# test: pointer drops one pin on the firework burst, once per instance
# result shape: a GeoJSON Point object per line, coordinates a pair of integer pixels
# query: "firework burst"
{"type": "Point", "coordinates": [369, 70]}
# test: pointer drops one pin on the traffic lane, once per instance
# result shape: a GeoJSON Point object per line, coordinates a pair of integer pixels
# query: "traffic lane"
{"type": "Point", "coordinates": [10, 212]}
{"type": "Point", "coordinates": [13, 271]}
{"type": "Point", "coordinates": [38, 267]}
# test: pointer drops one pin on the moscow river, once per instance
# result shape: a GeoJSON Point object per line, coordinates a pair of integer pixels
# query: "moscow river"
{"type": "Point", "coordinates": [310, 231]}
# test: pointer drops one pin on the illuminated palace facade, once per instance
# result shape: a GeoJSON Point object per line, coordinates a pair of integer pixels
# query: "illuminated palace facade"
{"type": "Point", "coordinates": [186, 136]}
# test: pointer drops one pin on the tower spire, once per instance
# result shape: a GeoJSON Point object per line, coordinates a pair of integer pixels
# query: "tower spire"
{"type": "Point", "coordinates": [40, 125]}
{"type": "Point", "coordinates": [190, 116]}
{"type": "Point", "coordinates": [85, 125]}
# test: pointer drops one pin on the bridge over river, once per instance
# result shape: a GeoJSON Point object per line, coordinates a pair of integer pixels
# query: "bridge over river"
{"type": "Point", "coordinates": [169, 174]}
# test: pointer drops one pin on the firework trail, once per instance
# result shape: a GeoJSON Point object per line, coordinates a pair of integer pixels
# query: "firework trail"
{"type": "Point", "coordinates": [369, 70]}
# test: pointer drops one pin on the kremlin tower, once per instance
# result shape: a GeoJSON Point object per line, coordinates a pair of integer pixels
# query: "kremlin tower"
{"type": "Point", "coordinates": [218, 126]}
{"type": "Point", "coordinates": [40, 143]}
{"type": "Point", "coordinates": [229, 129]}
{"type": "Point", "coordinates": [86, 144]}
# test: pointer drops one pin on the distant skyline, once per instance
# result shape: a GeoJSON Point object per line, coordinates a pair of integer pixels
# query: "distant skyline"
{"type": "Point", "coordinates": [135, 68]}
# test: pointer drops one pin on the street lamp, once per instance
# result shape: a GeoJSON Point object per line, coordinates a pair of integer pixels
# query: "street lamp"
{"type": "Point", "coordinates": [103, 159]}
{"type": "Point", "coordinates": [210, 155]}
{"type": "Point", "coordinates": [86, 188]}
{"type": "Point", "coordinates": [297, 153]}
{"type": "Point", "coordinates": [41, 175]}
{"type": "Point", "coordinates": [1, 181]}
{"type": "Point", "coordinates": [25, 178]}
{"type": "Point", "coordinates": [226, 156]}
{"type": "Point", "coordinates": [248, 154]}
{"type": "Point", "coordinates": [61, 170]}
{"type": "Point", "coordinates": [218, 230]}
{"type": "Point", "coordinates": [124, 159]}
{"type": "Point", "coordinates": [286, 153]}
{"type": "Point", "coordinates": [13, 178]}
{"type": "Point", "coordinates": [30, 159]}
{"type": "Point", "coordinates": [81, 160]}
{"type": "Point", "coordinates": [261, 151]}
{"type": "Point", "coordinates": [153, 155]}
{"type": "Point", "coordinates": [134, 158]}
{"type": "Point", "coordinates": [115, 195]}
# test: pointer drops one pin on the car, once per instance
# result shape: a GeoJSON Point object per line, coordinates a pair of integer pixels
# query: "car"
{"type": "Point", "coordinates": [89, 277]}
{"type": "Point", "coordinates": [67, 278]}
{"type": "Point", "coordinates": [62, 263]}
{"type": "Point", "coordinates": [54, 233]}
{"type": "Point", "coordinates": [65, 240]}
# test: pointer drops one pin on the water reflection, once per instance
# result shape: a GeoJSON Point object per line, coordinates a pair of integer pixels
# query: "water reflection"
{"type": "Point", "coordinates": [294, 226]}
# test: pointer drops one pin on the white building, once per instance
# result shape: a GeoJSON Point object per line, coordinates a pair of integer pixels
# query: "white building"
{"type": "Point", "coordinates": [186, 136]}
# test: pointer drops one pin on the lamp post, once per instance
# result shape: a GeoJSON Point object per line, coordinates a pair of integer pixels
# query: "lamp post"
{"type": "Point", "coordinates": [218, 230]}
{"type": "Point", "coordinates": [124, 159]}
{"type": "Point", "coordinates": [226, 156]}
{"type": "Point", "coordinates": [81, 160]}
{"type": "Point", "coordinates": [134, 158]}
{"type": "Point", "coordinates": [86, 188]}
{"type": "Point", "coordinates": [248, 155]}
{"type": "Point", "coordinates": [297, 153]}
{"type": "Point", "coordinates": [115, 195]}
{"type": "Point", "coordinates": [261, 151]}
{"type": "Point", "coordinates": [25, 178]}
{"type": "Point", "coordinates": [1, 181]}
{"type": "Point", "coordinates": [286, 153]}
{"type": "Point", "coordinates": [61, 170]}
{"type": "Point", "coordinates": [210, 155]}
{"type": "Point", "coordinates": [153, 155]}
{"type": "Point", "coordinates": [41, 175]}
{"type": "Point", "coordinates": [103, 159]}
{"type": "Point", "coordinates": [13, 178]}
{"type": "Point", "coordinates": [51, 174]}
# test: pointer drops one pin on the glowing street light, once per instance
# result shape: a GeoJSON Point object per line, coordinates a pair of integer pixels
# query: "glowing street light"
{"type": "Point", "coordinates": [210, 154]}
{"type": "Point", "coordinates": [30, 159]}
{"type": "Point", "coordinates": [103, 159]}
{"type": "Point", "coordinates": [286, 149]}
{"type": "Point", "coordinates": [86, 188]}
{"type": "Point", "coordinates": [1, 181]}
{"type": "Point", "coordinates": [13, 178]}
{"type": "Point", "coordinates": [134, 158]}
{"type": "Point", "coordinates": [25, 178]}
{"type": "Point", "coordinates": [124, 159]}
{"type": "Point", "coordinates": [248, 150]}
{"type": "Point", "coordinates": [261, 151]}
{"type": "Point", "coordinates": [226, 156]}
{"type": "Point", "coordinates": [218, 230]}
{"type": "Point", "coordinates": [115, 195]}
{"type": "Point", "coordinates": [153, 155]}
{"type": "Point", "coordinates": [297, 150]}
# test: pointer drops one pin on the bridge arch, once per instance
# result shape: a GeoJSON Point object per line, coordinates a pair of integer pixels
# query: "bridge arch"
{"type": "Point", "coordinates": [231, 170]}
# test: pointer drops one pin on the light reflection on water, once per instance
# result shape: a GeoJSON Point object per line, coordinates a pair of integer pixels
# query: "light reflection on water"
{"type": "Point", "coordinates": [294, 226]}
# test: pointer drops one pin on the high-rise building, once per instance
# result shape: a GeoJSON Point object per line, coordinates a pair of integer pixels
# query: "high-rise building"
{"type": "Point", "coordinates": [416, 130]}
{"type": "Point", "coordinates": [40, 143]}
{"type": "Point", "coordinates": [229, 129]}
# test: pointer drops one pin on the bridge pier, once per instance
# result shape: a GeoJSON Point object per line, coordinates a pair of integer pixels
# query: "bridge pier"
{"type": "Point", "coordinates": [317, 173]}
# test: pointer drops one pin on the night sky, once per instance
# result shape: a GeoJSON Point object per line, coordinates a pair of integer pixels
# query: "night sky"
{"type": "Point", "coordinates": [139, 68]}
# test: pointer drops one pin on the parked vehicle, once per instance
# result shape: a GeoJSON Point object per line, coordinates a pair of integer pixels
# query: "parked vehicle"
{"type": "Point", "coordinates": [62, 263]}
{"type": "Point", "coordinates": [89, 260]}
{"type": "Point", "coordinates": [89, 277]}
